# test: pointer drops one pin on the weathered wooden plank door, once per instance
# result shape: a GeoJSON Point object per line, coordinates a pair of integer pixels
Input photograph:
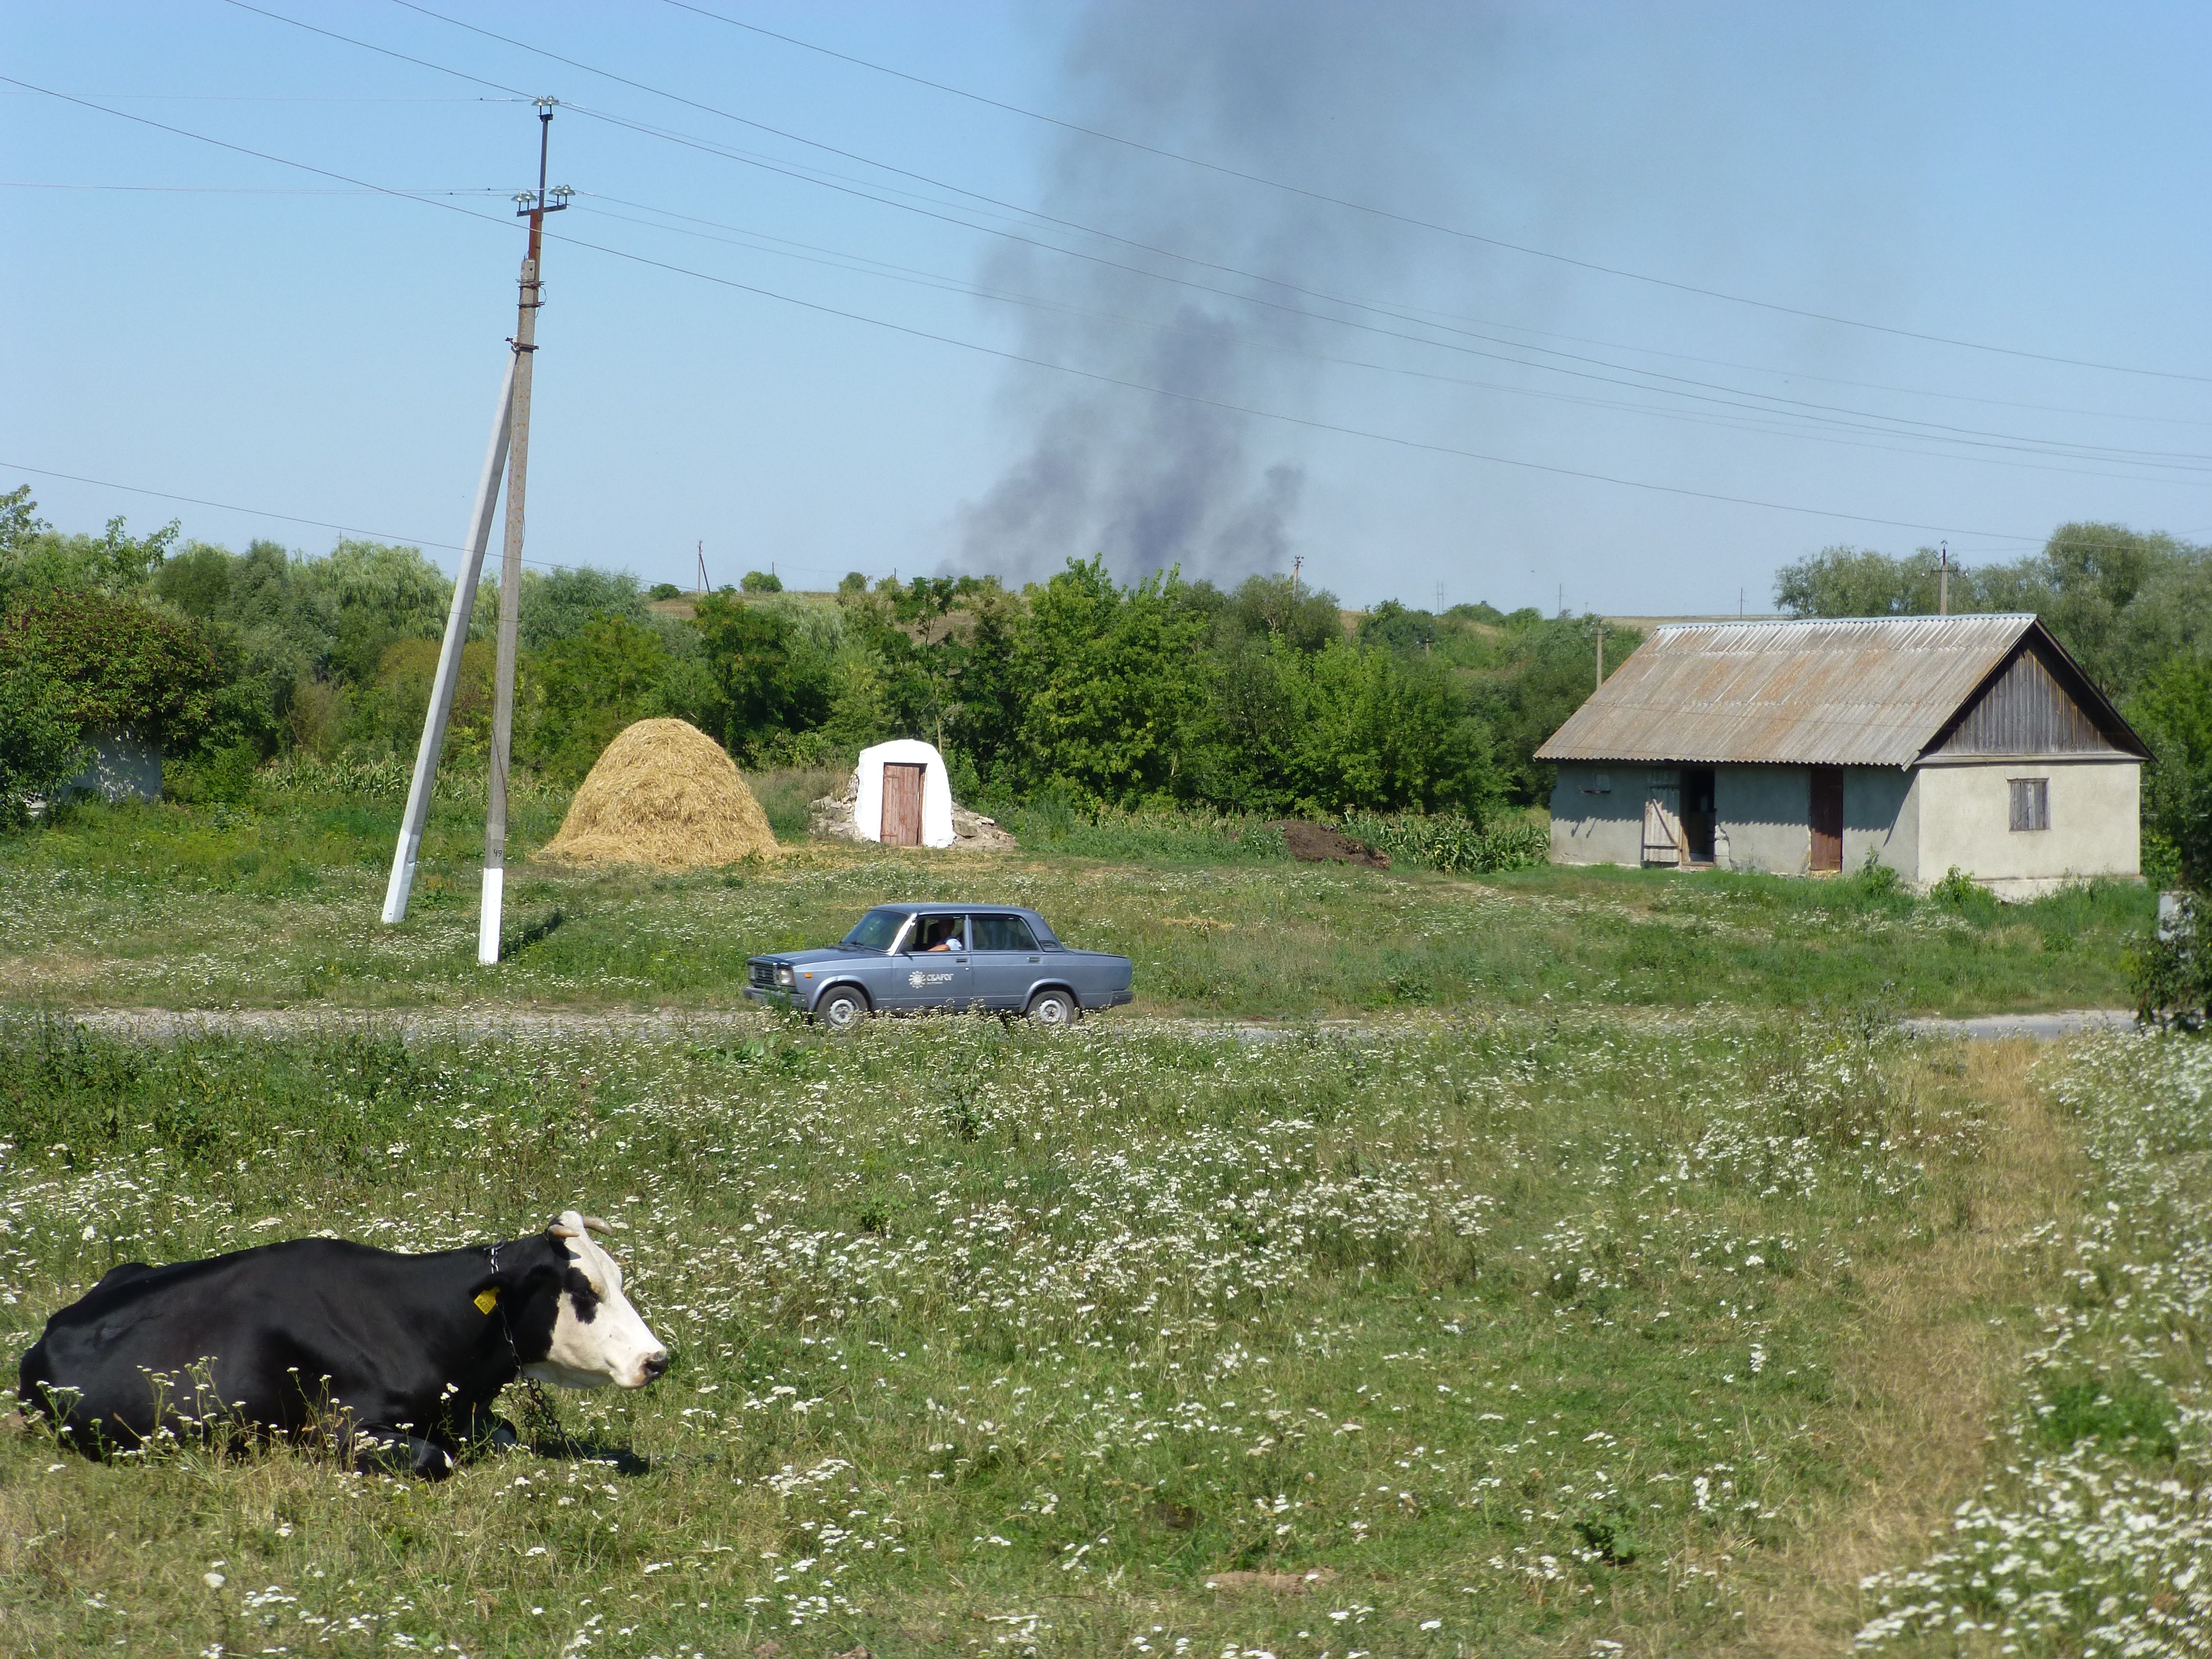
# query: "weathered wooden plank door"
{"type": "Point", "coordinates": [902, 826]}
{"type": "Point", "coordinates": [1826, 817]}
{"type": "Point", "coordinates": [1663, 841]}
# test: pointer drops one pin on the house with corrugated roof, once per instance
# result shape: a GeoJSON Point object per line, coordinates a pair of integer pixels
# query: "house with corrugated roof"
{"type": "Point", "coordinates": [1923, 743]}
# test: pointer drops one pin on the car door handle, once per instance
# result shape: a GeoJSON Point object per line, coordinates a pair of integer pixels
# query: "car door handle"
{"type": "Point", "coordinates": [1036, 958]}
{"type": "Point", "coordinates": [963, 961]}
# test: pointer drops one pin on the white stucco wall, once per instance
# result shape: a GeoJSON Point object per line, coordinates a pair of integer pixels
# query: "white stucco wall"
{"type": "Point", "coordinates": [1761, 809]}
{"type": "Point", "coordinates": [123, 767]}
{"type": "Point", "coordinates": [1881, 817]}
{"type": "Point", "coordinates": [936, 790]}
{"type": "Point", "coordinates": [1965, 816]}
{"type": "Point", "coordinates": [1597, 814]}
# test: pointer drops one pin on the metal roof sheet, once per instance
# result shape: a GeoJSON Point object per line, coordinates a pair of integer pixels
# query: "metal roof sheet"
{"type": "Point", "coordinates": [1855, 692]}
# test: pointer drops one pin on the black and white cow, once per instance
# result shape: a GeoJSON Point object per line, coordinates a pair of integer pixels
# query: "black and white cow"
{"type": "Point", "coordinates": [398, 1356]}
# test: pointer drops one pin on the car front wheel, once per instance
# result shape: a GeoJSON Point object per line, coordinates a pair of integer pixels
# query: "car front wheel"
{"type": "Point", "coordinates": [843, 1008]}
{"type": "Point", "coordinates": [1055, 1009]}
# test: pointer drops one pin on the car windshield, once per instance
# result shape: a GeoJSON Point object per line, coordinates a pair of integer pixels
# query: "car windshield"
{"type": "Point", "coordinates": [876, 931]}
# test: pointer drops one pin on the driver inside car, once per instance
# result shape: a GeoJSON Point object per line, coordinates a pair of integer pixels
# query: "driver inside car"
{"type": "Point", "coordinates": [942, 933]}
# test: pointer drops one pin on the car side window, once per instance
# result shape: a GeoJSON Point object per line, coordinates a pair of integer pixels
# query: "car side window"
{"type": "Point", "coordinates": [1003, 934]}
{"type": "Point", "coordinates": [937, 934]}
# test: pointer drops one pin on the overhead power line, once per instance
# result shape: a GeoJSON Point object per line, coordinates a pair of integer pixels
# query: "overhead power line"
{"type": "Point", "coordinates": [852, 187]}
{"type": "Point", "coordinates": [264, 189]}
{"type": "Point", "coordinates": [1411, 220]}
{"type": "Point", "coordinates": [1302, 422]}
{"type": "Point", "coordinates": [228, 506]}
{"type": "Point", "coordinates": [390, 536]}
{"type": "Point", "coordinates": [1803, 426]}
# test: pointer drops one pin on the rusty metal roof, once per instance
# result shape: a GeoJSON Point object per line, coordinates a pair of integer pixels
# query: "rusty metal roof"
{"type": "Point", "coordinates": [1871, 692]}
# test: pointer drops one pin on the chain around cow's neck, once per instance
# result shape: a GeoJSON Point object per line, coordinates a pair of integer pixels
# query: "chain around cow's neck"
{"type": "Point", "coordinates": [513, 1348]}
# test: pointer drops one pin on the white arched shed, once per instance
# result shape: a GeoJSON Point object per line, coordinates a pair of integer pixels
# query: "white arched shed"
{"type": "Point", "coordinates": [905, 798]}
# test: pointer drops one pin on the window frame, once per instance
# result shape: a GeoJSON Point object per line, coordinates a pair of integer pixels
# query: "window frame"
{"type": "Point", "coordinates": [2027, 805]}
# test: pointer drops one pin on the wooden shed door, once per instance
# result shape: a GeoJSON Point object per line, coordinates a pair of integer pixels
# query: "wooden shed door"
{"type": "Point", "coordinates": [902, 826]}
{"type": "Point", "coordinates": [1826, 817]}
{"type": "Point", "coordinates": [1663, 823]}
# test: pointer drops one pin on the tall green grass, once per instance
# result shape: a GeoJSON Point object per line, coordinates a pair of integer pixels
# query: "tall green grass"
{"type": "Point", "coordinates": [1516, 1339]}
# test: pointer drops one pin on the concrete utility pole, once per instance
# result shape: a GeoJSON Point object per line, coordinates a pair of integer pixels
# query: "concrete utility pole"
{"type": "Point", "coordinates": [397, 889]}
{"type": "Point", "coordinates": [1943, 580]}
{"type": "Point", "coordinates": [510, 564]}
{"type": "Point", "coordinates": [1601, 655]}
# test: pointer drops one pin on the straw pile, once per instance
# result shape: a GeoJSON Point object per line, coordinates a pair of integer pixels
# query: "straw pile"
{"type": "Point", "coordinates": [663, 794]}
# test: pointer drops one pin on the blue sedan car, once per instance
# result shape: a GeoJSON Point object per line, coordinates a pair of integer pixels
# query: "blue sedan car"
{"type": "Point", "coordinates": [903, 958]}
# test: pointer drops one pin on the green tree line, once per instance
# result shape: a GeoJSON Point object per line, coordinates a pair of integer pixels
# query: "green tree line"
{"type": "Point", "coordinates": [1261, 697]}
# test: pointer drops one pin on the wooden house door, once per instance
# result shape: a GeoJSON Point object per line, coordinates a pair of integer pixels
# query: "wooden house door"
{"type": "Point", "coordinates": [1826, 817]}
{"type": "Point", "coordinates": [1663, 823]}
{"type": "Point", "coordinates": [902, 826]}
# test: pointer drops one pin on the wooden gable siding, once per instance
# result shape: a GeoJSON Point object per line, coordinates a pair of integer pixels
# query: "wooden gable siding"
{"type": "Point", "coordinates": [2025, 711]}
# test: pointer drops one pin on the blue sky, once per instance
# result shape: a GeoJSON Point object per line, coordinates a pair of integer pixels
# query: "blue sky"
{"type": "Point", "coordinates": [1407, 409]}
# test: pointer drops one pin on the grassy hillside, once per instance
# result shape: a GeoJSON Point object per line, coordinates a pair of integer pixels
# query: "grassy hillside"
{"type": "Point", "coordinates": [277, 903]}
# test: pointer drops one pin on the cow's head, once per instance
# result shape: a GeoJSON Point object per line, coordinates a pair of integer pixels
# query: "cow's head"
{"type": "Point", "coordinates": [595, 1337]}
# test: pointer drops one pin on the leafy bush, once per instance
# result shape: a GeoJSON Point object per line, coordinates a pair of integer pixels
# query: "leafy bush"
{"type": "Point", "coordinates": [666, 591]}
{"type": "Point", "coordinates": [2171, 974]}
{"type": "Point", "coordinates": [1957, 889]}
{"type": "Point", "coordinates": [1454, 844]}
{"type": "Point", "coordinates": [119, 664]}
{"type": "Point", "coordinates": [38, 743]}
{"type": "Point", "coordinates": [761, 581]}
{"type": "Point", "coordinates": [1877, 879]}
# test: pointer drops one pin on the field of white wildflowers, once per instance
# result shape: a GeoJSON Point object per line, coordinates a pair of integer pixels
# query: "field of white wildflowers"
{"type": "Point", "coordinates": [1519, 1336]}
{"type": "Point", "coordinates": [2096, 1538]}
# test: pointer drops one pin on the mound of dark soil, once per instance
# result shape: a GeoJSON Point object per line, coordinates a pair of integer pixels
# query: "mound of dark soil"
{"type": "Point", "coordinates": [1315, 843]}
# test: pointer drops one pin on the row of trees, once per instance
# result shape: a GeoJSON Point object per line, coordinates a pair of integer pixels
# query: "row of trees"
{"type": "Point", "coordinates": [1264, 697]}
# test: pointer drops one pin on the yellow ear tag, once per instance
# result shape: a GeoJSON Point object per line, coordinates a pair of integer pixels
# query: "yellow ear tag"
{"type": "Point", "coordinates": [486, 1300]}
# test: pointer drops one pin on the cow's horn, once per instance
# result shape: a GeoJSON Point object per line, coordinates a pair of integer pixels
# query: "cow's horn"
{"type": "Point", "coordinates": [555, 1230]}
{"type": "Point", "coordinates": [596, 1226]}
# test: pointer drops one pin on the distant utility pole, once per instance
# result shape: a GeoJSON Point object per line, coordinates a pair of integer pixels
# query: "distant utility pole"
{"type": "Point", "coordinates": [1601, 654]}
{"type": "Point", "coordinates": [507, 455]}
{"type": "Point", "coordinates": [1295, 564]}
{"type": "Point", "coordinates": [1943, 580]}
{"type": "Point", "coordinates": [702, 569]}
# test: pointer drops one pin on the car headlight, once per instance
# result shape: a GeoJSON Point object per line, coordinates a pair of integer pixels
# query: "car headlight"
{"type": "Point", "coordinates": [784, 976]}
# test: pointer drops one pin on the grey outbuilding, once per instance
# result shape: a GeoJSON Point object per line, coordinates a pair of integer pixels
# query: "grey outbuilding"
{"type": "Point", "coordinates": [1923, 743]}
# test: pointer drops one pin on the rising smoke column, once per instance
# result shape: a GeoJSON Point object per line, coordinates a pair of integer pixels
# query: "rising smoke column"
{"type": "Point", "coordinates": [1319, 93]}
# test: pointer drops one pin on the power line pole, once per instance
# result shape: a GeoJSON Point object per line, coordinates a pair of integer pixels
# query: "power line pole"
{"type": "Point", "coordinates": [462, 611]}
{"type": "Point", "coordinates": [1601, 654]}
{"type": "Point", "coordinates": [510, 565]}
{"type": "Point", "coordinates": [1943, 580]}
{"type": "Point", "coordinates": [441, 711]}
{"type": "Point", "coordinates": [702, 569]}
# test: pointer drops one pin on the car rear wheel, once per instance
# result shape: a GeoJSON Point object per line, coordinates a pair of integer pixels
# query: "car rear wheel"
{"type": "Point", "coordinates": [842, 1007]}
{"type": "Point", "coordinates": [1055, 1009]}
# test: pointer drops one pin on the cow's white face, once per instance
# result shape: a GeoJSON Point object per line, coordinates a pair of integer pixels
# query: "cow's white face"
{"type": "Point", "coordinates": [597, 1337]}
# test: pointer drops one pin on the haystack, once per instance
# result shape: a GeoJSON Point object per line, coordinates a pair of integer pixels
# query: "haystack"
{"type": "Point", "coordinates": [663, 794]}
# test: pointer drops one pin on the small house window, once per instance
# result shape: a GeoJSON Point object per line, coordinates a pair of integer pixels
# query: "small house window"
{"type": "Point", "coordinates": [2031, 803]}
{"type": "Point", "coordinates": [1597, 783]}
